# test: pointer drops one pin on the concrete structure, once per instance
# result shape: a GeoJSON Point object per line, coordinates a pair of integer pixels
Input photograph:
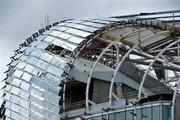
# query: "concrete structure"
{"type": "Point", "coordinates": [120, 67]}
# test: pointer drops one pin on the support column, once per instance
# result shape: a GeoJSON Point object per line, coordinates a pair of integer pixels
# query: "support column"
{"type": "Point", "coordinates": [119, 90]}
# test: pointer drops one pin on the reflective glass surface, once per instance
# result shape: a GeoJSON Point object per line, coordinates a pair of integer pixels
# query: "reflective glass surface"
{"type": "Point", "coordinates": [21, 65]}
{"type": "Point", "coordinates": [47, 57]}
{"type": "Point", "coordinates": [16, 82]}
{"type": "Point", "coordinates": [48, 39]}
{"type": "Point", "coordinates": [26, 77]}
{"type": "Point", "coordinates": [78, 32]}
{"type": "Point", "coordinates": [64, 44]}
{"type": "Point", "coordinates": [18, 73]}
{"type": "Point", "coordinates": [76, 40]}
{"type": "Point", "coordinates": [61, 28]}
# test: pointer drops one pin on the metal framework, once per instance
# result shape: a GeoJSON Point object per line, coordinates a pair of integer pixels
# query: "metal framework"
{"type": "Point", "coordinates": [54, 49]}
{"type": "Point", "coordinates": [117, 45]}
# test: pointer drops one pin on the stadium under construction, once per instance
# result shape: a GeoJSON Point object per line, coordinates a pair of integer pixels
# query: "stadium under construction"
{"type": "Point", "coordinates": [112, 68]}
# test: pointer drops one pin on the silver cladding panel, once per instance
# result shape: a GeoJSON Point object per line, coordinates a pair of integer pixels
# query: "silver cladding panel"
{"type": "Point", "coordinates": [32, 91]}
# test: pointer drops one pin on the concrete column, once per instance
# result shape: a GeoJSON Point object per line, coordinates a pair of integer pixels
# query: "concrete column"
{"type": "Point", "coordinates": [119, 90]}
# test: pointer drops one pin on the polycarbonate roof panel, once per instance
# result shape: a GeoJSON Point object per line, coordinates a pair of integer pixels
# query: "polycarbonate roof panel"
{"type": "Point", "coordinates": [64, 44]}
{"type": "Point", "coordinates": [47, 57]}
{"type": "Point", "coordinates": [78, 32]}
{"type": "Point", "coordinates": [56, 33]}
{"type": "Point", "coordinates": [54, 70]}
{"type": "Point", "coordinates": [29, 68]}
{"type": "Point", "coordinates": [78, 26]}
{"type": "Point", "coordinates": [90, 29]}
{"type": "Point", "coordinates": [25, 86]}
{"type": "Point", "coordinates": [15, 90]}
{"type": "Point", "coordinates": [47, 32]}
{"type": "Point", "coordinates": [21, 65]}
{"type": "Point", "coordinates": [100, 21]}
{"type": "Point", "coordinates": [42, 45]}
{"type": "Point", "coordinates": [37, 52]}
{"type": "Point", "coordinates": [48, 39]}
{"type": "Point", "coordinates": [26, 77]}
{"type": "Point", "coordinates": [64, 36]}
{"type": "Point", "coordinates": [76, 40]}
{"type": "Point", "coordinates": [61, 28]}
{"type": "Point", "coordinates": [15, 99]}
{"type": "Point", "coordinates": [61, 24]}
{"type": "Point", "coordinates": [58, 62]}
{"type": "Point", "coordinates": [94, 24]}
{"type": "Point", "coordinates": [18, 73]}
{"type": "Point", "coordinates": [16, 82]}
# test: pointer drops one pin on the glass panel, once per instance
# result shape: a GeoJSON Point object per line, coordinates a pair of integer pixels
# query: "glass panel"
{"type": "Point", "coordinates": [41, 64]}
{"type": "Point", "coordinates": [52, 80]}
{"type": "Point", "coordinates": [146, 115]}
{"type": "Point", "coordinates": [25, 86]}
{"type": "Point", "coordinates": [139, 114]}
{"type": "Point", "coordinates": [76, 40]}
{"type": "Point", "coordinates": [94, 24]}
{"type": "Point", "coordinates": [18, 73]}
{"type": "Point", "coordinates": [47, 32]}
{"type": "Point", "coordinates": [15, 99]}
{"type": "Point", "coordinates": [8, 112]}
{"type": "Point", "coordinates": [58, 62]}
{"type": "Point", "coordinates": [75, 25]}
{"type": "Point", "coordinates": [129, 115]}
{"type": "Point", "coordinates": [15, 115]}
{"type": "Point", "coordinates": [24, 103]}
{"type": "Point", "coordinates": [101, 21]}
{"type": "Point", "coordinates": [37, 52]}
{"type": "Point", "coordinates": [26, 77]}
{"type": "Point", "coordinates": [47, 57]}
{"type": "Point", "coordinates": [64, 44]}
{"type": "Point", "coordinates": [56, 71]}
{"type": "Point", "coordinates": [14, 107]}
{"type": "Point", "coordinates": [21, 65]}
{"type": "Point", "coordinates": [24, 57]}
{"type": "Point", "coordinates": [7, 96]}
{"type": "Point", "coordinates": [156, 113]}
{"type": "Point", "coordinates": [8, 87]}
{"type": "Point", "coordinates": [8, 104]}
{"type": "Point", "coordinates": [34, 44]}
{"type": "Point", "coordinates": [40, 37]}
{"type": "Point", "coordinates": [48, 39]}
{"type": "Point", "coordinates": [61, 28]}
{"type": "Point", "coordinates": [16, 82]}
{"type": "Point", "coordinates": [38, 84]}
{"type": "Point", "coordinates": [56, 33]}
{"type": "Point", "coordinates": [7, 118]}
{"type": "Point", "coordinates": [61, 24]}
{"type": "Point", "coordinates": [24, 94]}
{"type": "Point", "coordinates": [15, 90]}
{"type": "Point", "coordinates": [90, 29]}
{"type": "Point", "coordinates": [32, 60]}
{"type": "Point", "coordinates": [42, 45]}
{"type": "Point", "coordinates": [29, 68]}
{"type": "Point", "coordinates": [166, 112]}
{"type": "Point", "coordinates": [53, 108]}
{"type": "Point", "coordinates": [64, 36]}
{"type": "Point", "coordinates": [54, 99]}
{"type": "Point", "coordinates": [78, 32]}
{"type": "Point", "coordinates": [117, 116]}
{"type": "Point", "coordinates": [24, 112]}
{"type": "Point", "coordinates": [36, 92]}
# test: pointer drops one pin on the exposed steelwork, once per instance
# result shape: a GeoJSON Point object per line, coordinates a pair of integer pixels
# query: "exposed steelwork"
{"type": "Point", "coordinates": [95, 68]}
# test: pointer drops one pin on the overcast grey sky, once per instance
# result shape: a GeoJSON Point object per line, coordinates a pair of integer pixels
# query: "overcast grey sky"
{"type": "Point", "coordinates": [20, 18]}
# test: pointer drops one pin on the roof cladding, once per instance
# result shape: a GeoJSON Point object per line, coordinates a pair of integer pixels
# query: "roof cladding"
{"type": "Point", "coordinates": [32, 89]}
